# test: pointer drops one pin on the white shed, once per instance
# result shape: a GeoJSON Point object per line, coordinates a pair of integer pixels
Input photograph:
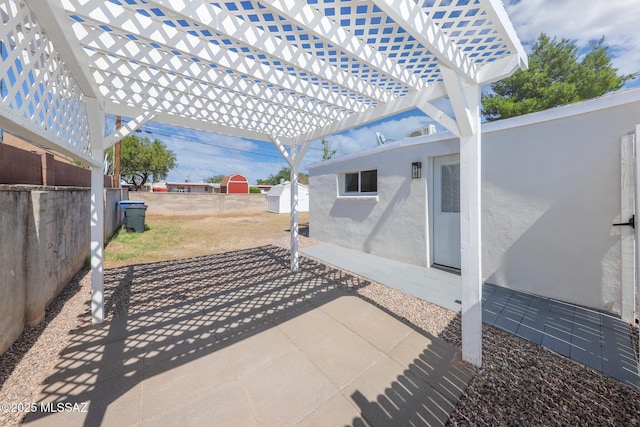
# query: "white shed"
{"type": "Point", "coordinates": [279, 198]}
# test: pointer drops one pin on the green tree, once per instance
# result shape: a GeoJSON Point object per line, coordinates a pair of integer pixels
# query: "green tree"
{"type": "Point", "coordinates": [141, 159]}
{"type": "Point", "coordinates": [215, 179]}
{"type": "Point", "coordinates": [555, 77]}
{"type": "Point", "coordinates": [283, 174]}
{"type": "Point", "coordinates": [327, 150]}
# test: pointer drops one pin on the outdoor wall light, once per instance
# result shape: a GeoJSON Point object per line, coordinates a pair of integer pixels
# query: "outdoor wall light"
{"type": "Point", "coordinates": [416, 170]}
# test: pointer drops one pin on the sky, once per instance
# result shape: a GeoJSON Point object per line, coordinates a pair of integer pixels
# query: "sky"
{"type": "Point", "coordinates": [202, 155]}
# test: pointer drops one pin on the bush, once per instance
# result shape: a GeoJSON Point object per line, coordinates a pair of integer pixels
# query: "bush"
{"type": "Point", "coordinates": [254, 190]}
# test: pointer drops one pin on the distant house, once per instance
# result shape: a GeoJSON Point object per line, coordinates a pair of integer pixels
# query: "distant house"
{"type": "Point", "coordinates": [159, 187]}
{"type": "Point", "coordinates": [234, 184]}
{"type": "Point", "coordinates": [264, 188]}
{"type": "Point", "coordinates": [189, 187]}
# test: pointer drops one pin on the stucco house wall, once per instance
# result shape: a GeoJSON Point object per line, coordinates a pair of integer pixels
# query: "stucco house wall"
{"type": "Point", "coordinates": [550, 194]}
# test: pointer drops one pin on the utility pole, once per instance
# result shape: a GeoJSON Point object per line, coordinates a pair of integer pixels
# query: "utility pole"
{"type": "Point", "coordinates": [116, 157]}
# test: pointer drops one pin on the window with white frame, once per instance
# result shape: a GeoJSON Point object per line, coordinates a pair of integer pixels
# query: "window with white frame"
{"type": "Point", "coordinates": [361, 182]}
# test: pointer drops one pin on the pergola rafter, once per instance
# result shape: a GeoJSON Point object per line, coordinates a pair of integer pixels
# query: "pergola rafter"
{"type": "Point", "coordinates": [179, 40]}
{"type": "Point", "coordinates": [243, 32]}
{"type": "Point", "coordinates": [146, 57]}
{"type": "Point", "coordinates": [200, 85]}
{"type": "Point", "coordinates": [332, 33]}
{"type": "Point", "coordinates": [410, 15]}
{"type": "Point", "coordinates": [160, 99]}
{"type": "Point", "coordinates": [285, 71]}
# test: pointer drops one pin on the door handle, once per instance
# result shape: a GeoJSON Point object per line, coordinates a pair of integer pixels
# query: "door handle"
{"type": "Point", "coordinates": [631, 222]}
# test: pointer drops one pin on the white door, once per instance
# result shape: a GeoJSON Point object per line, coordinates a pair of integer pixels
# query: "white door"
{"type": "Point", "coordinates": [446, 211]}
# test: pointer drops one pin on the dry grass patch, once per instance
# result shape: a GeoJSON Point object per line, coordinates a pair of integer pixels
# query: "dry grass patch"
{"type": "Point", "coordinates": [179, 237]}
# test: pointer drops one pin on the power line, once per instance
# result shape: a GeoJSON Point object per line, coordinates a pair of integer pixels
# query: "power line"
{"type": "Point", "coordinates": [209, 144]}
{"type": "Point", "coordinates": [214, 145]}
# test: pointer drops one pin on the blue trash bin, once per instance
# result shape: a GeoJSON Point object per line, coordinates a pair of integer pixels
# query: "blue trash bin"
{"type": "Point", "coordinates": [123, 204]}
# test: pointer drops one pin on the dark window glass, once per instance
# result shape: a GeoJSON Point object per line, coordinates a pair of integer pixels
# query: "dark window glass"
{"type": "Point", "coordinates": [369, 181]}
{"type": "Point", "coordinates": [351, 182]}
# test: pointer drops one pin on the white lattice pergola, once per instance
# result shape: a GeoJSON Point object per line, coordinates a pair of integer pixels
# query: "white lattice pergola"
{"type": "Point", "coordinates": [285, 71]}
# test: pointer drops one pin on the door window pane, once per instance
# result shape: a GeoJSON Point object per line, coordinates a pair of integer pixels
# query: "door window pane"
{"type": "Point", "coordinates": [450, 179]}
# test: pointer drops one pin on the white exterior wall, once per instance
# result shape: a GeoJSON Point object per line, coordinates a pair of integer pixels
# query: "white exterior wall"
{"type": "Point", "coordinates": [394, 224]}
{"type": "Point", "coordinates": [550, 192]}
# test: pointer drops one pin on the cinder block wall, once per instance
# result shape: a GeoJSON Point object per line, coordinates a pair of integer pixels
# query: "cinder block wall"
{"type": "Point", "coordinates": [200, 204]}
{"type": "Point", "coordinates": [44, 240]}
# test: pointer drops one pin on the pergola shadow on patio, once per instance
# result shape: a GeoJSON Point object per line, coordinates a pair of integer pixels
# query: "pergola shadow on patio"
{"type": "Point", "coordinates": [284, 72]}
{"type": "Point", "coordinates": [240, 339]}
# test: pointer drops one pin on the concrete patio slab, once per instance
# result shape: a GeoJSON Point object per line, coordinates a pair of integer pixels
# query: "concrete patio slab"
{"type": "Point", "coordinates": [430, 284]}
{"type": "Point", "coordinates": [255, 344]}
{"type": "Point", "coordinates": [337, 411]}
{"type": "Point", "coordinates": [341, 355]}
{"type": "Point", "coordinates": [597, 340]}
{"type": "Point", "coordinates": [286, 390]}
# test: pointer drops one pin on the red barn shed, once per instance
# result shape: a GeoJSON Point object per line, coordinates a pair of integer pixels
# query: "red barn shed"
{"type": "Point", "coordinates": [236, 184]}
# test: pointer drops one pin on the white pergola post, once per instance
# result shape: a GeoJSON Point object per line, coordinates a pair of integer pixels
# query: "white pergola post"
{"type": "Point", "coordinates": [636, 164]}
{"type": "Point", "coordinates": [96, 128]}
{"type": "Point", "coordinates": [294, 159]}
{"type": "Point", "coordinates": [97, 242]}
{"type": "Point", "coordinates": [470, 231]}
{"type": "Point", "coordinates": [465, 101]}
{"type": "Point", "coordinates": [294, 211]}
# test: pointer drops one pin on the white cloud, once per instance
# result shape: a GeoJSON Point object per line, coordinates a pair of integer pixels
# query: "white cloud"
{"type": "Point", "coordinates": [583, 21]}
{"type": "Point", "coordinates": [202, 154]}
{"type": "Point", "coordinates": [365, 137]}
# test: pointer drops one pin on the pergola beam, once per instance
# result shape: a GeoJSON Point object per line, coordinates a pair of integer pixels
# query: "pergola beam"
{"type": "Point", "coordinates": [329, 31]}
{"type": "Point", "coordinates": [410, 16]}
{"type": "Point", "coordinates": [135, 59]}
{"type": "Point", "coordinates": [459, 102]}
{"type": "Point", "coordinates": [128, 22]}
{"type": "Point", "coordinates": [248, 34]}
{"type": "Point", "coordinates": [381, 111]}
{"type": "Point", "coordinates": [502, 25]}
{"type": "Point", "coordinates": [439, 116]}
{"type": "Point", "coordinates": [166, 118]}
{"type": "Point", "coordinates": [499, 69]}
{"type": "Point", "coordinates": [23, 127]}
{"type": "Point", "coordinates": [51, 16]}
{"type": "Point", "coordinates": [128, 129]}
{"type": "Point", "coordinates": [158, 83]}
{"type": "Point", "coordinates": [181, 74]}
{"type": "Point", "coordinates": [165, 100]}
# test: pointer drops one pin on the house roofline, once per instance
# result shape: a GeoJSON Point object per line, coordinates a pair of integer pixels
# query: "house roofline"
{"type": "Point", "coordinates": [610, 100]}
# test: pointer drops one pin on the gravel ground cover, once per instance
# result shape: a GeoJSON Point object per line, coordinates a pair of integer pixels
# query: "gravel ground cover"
{"type": "Point", "coordinates": [520, 384]}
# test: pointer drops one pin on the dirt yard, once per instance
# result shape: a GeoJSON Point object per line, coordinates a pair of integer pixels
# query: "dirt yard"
{"type": "Point", "coordinates": [176, 237]}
